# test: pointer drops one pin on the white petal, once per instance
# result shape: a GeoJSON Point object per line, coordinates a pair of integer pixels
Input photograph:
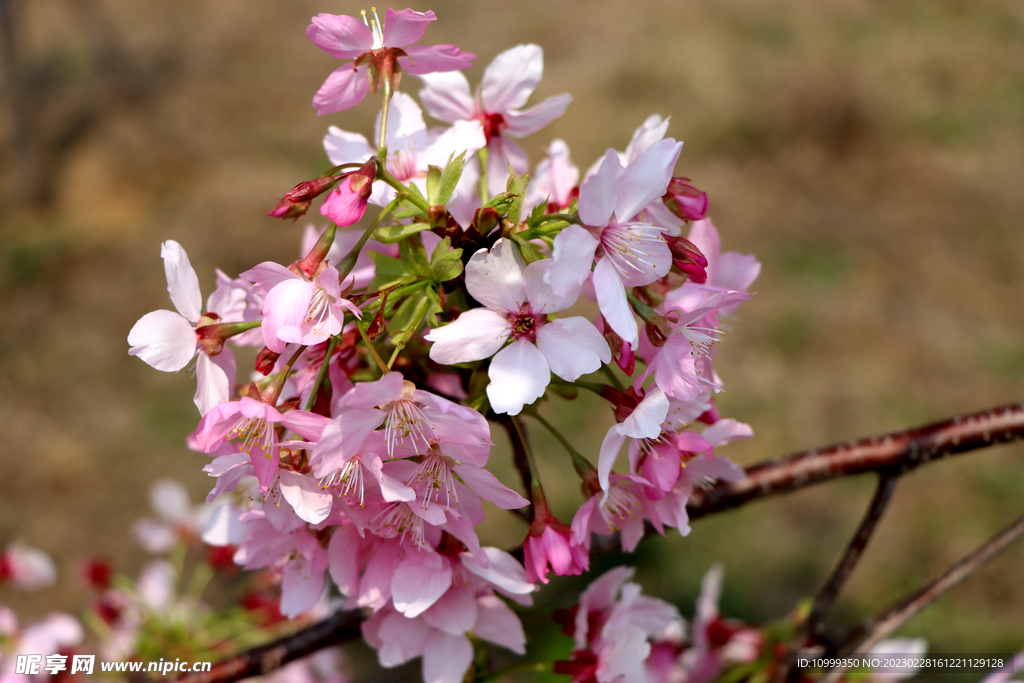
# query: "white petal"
{"type": "Point", "coordinates": [650, 131]}
{"type": "Point", "coordinates": [645, 420]}
{"type": "Point", "coordinates": [343, 147]}
{"type": "Point", "coordinates": [541, 294]}
{"type": "Point", "coordinates": [446, 96]}
{"type": "Point", "coordinates": [215, 376]}
{"type": "Point", "coordinates": [502, 570]}
{"type": "Point", "coordinates": [600, 192]}
{"type": "Point", "coordinates": [486, 485]}
{"type": "Point", "coordinates": [609, 453]}
{"type": "Point", "coordinates": [611, 299]}
{"type": "Point", "coordinates": [495, 277]}
{"type": "Point", "coordinates": [572, 257]}
{"type": "Point", "coordinates": [646, 179]}
{"type": "Point", "coordinates": [519, 375]}
{"type": "Point", "coordinates": [446, 658]}
{"type": "Point", "coordinates": [311, 503]}
{"type": "Point", "coordinates": [573, 347]}
{"type": "Point", "coordinates": [463, 136]}
{"type": "Point", "coordinates": [163, 339]}
{"type": "Point", "coordinates": [476, 334]}
{"type": "Point", "coordinates": [169, 499]}
{"type": "Point", "coordinates": [182, 282]}
{"type": "Point", "coordinates": [521, 124]}
{"type": "Point", "coordinates": [511, 78]}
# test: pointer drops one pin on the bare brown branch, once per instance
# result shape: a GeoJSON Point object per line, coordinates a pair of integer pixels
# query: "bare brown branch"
{"type": "Point", "coordinates": [900, 452]}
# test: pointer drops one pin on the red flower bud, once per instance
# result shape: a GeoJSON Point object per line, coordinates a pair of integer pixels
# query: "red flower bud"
{"type": "Point", "coordinates": [688, 258]}
{"type": "Point", "coordinates": [685, 200]}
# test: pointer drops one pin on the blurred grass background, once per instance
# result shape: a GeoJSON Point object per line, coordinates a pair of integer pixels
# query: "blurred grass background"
{"type": "Point", "coordinates": [871, 155]}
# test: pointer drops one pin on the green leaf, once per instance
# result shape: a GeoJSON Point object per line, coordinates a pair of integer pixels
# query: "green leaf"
{"type": "Point", "coordinates": [433, 184]}
{"type": "Point", "coordinates": [389, 234]}
{"type": "Point", "coordinates": [517, 186]}
{"type": "Point", "coordinates": [389, 271]}
{"type": "Point", "coordinates": [415, 256]}
{"type": "Point", "coordinates": [537, 215]}
{"type": "Point", "coordinates": [409, 316]}
{"type": "Point", "coordinates": [435, 307]}
{"type": "Point", "coordinates": [529, 251]}
{"type": "Point", "coordinates": [409, 208]}
{"type": "Point", "coordinates": [445, 262]}
{"type": "Point", "coordinates": [449, 179]}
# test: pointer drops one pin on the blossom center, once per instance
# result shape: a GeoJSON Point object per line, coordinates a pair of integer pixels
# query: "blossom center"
{"type": "Point", "coordinates": [629, 248]}
{"type": "Point", "coordinates": [319, 308]}
{"type": "Point", "coordinates": [349, 478]}
{"type": "Point", "coordinates": [407, 420]}
{"type": "Point", "coordinates": [525, 323]}
{"type": "Point", "coordinates": [399, 521]}
{"type": "Point", "coordinates": [254, 432]}
{"type": "Point", "coordinates": [622, 504]}
{"type": "Point", "coordinates": [435, 477]}
{"type": "Point", "coordinates": [493, 125]}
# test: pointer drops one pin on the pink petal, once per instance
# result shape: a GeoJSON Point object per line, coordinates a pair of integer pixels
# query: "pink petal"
{"type": "Point", "coordinates": [182, 282]}
{"type": "Point", "coordinates": [285, 311]}
{"type": "Point", "coordinates": [392, 490]}
{"type": "Point", "coordinates": [447, 97]}
{"type": "Point", "coordinates": [610, 448]}
{"type": "Point", "coordinates": [343, 555]}
{"type": "Point", "coordinates": [718, 468]}
{"type": "Point", "coordinates": [502, 571]}
{"type": "Point", "coordinates": [415, 587]}
{"type": "Point", "coordinates": [572, 257]}
{"type": "Point", "coordinates": [519, 375]}
{"type": "Point", "coordinates": [301, 587]}
{"type": "Point", "coordinates": [463, 136]}
{"type": "Point", "coordinates": [405, 27]}
{"type": "Point", "coordinates": [267, 275]}
{"type": "Point", "coordinates": [401, 639]}
{"type": "Point", "coordinates": [164, 340]}
{"type": "Point", "coordinates": [377, 393]}
{"type": "Point", "coordinates": [573, 347]}
{"type": "Point", "coordinates": [344, 88]}
{"type": "Point", "coordinates": [646, 178]}
{"type": "Point", "coordinates": [488, 487]}
{"type": "Point", "coordinates": [375, 587]}
{"type": "Point", "coordinates": [650, 131]}
{"type": "Point", "coordinates": [727, 430]}
{"type": "Point", "coordinates": [511, 78]}
{"type": "Point", "coordinates": [340, 36]}
{"type": "Point", "coordinates": [435, 58]}
{"type": "Point", "coordinates": [446, 658]}
{"type": "Point", "coordinates": [495, 277]}
{"type": "Point", "coordinates": [521, 124]}
{"type": "Point", "coordinates": [735, 271]}
{"type": "Point", "coordinates": [674, 370]}
{"type": "Point", "coordinates": [611, 299]}
{"type": "Point", "coordinates": [476, 334]}
{"type": "Point", "coordinates": [498, 624]}
{"type": "Point", "coordinates": [341, 439]}
{"type": "Point", "coordinates": [454, 612]}
{"type": "Point", "coordinates": [599, 193]}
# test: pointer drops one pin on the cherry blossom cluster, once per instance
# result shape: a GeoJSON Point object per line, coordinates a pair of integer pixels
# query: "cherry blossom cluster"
{"type": "Point", "coordinates": [352, 459]}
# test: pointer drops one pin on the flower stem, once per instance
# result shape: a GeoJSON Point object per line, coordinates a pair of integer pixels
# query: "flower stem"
{"type": "Point", "coordinates": [536, 489]}
{"type": "Point", "coordinates": [346, 264]}
{"type": "Point", "coordinates": [403, 191]}
{"type": "Point", "coordinates": [273, 390]}
{"type": "Point", "coordinates": [373, 351]}
{"type": "Point", "coordinates": [323, 368]}
{"type": "Point", "coordinates": [382, 147]}
{"type": "Point", "coordinates": [579, 463]}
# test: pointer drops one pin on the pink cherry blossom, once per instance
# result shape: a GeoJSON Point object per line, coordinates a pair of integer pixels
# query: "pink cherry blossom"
{"type": "Point", "coordinates": [381, 51]}
{"type": "Point", "coordinates": [168, 341]}
{"type": "Point", "coordinates": [556, 180]}
{"type": "Point", "coordinates": [496, 109]}
{"type": "Point", "coordinates": [517, 302]}
{"type": "Point", "coordinates": [549, 543]}
{"type": "Point", "coordinates": [26, 568]}
{"type": "Point", "coordinates": [729, 271]}
{"type": "Point", "coordinates": [627, 253]}
{"type": "Point", "coordinates": [298, 310]}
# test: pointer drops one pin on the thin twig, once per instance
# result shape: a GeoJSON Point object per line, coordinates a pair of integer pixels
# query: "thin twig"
{"type": "Point", "coordinates": [851, 556]}
{"type": "Point", "coordinates": [900, 452]}
{"type": "Point", "coordinates": [521, 460]}
{"type": "Point", "coordinates": [340, 627]}
{"type": "Point", "coordinates": [885, 623]}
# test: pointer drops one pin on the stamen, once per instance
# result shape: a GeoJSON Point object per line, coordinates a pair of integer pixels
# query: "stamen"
{"type": "Point", "coordinates": [622, 504]}
{"type": "Point", "coordinates": [407, 419]}
{"type": "Point", "coordinates": [399, 520]}
{"type": "Point", "coordinates": [349, 477]}
{"type": "Point", "coordinates": [255, 432]}
{"type": "Point", "coordinates": [375, 25]}
{"type": "Point", "coordinates": [435, 475]}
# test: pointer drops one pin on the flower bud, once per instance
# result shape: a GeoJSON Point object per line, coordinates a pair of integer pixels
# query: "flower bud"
{"type": "Point", "coordinates": [347, 203]}
{"type": "Point", "coordinates": [685, 200]}
{"type": "Point", "coordinates": [687, 257]}
{"type": "Point", "coordinates": [297, 200]}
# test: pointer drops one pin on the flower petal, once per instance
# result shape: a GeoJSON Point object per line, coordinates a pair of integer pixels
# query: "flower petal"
{"type": "Point", "coordinates": [182, 282]}
{"type": "Point", "coordinates": [446, 658]}
{"type": "Point", "coordinates": [511, 78]}
{"type": "Point", "coordinates": [424, 59]}
{"type": "Point", "coordinates": [495, 277]}
{"type": "Point", "coordinates": [340, 36]}
{"type": "Point", "coordinates": [498, 624]}
{"type": "Point", "coordinates": [611, 299]}
{"type": "Point", "coordinates": [476, 334]}
{"type": "Point", "coordinates": [343, 147]}
{"type": "Point", "coordinates": [646, 178]}
{"type": "Point", "coordinates": [572, 257]}
{"type": "Point", "coordinates": [215, 376]}
{"type": "Point", "coordinates": [311, 503]}
{"type": "Point", "coordinates": [344, 88]}
{"type": "Point", "coordinates": [599, 193]}
{"type": "Point", "coordinates": [519, 375]}
{"type": "Point", "coordinates": [415, 587]}
{"type": "Point", "coordinates": [487, 486]}
{"type": "Point", "coordinates": [405, 27]}
{"type": "Point", "coordinates": [163, 339]}
{"type": "Point", "coordinates": [521, 124]}
{"type": "Point", "coordinates": [573, 347]}
{"type": "Point", "coordinates": [447, 97]}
